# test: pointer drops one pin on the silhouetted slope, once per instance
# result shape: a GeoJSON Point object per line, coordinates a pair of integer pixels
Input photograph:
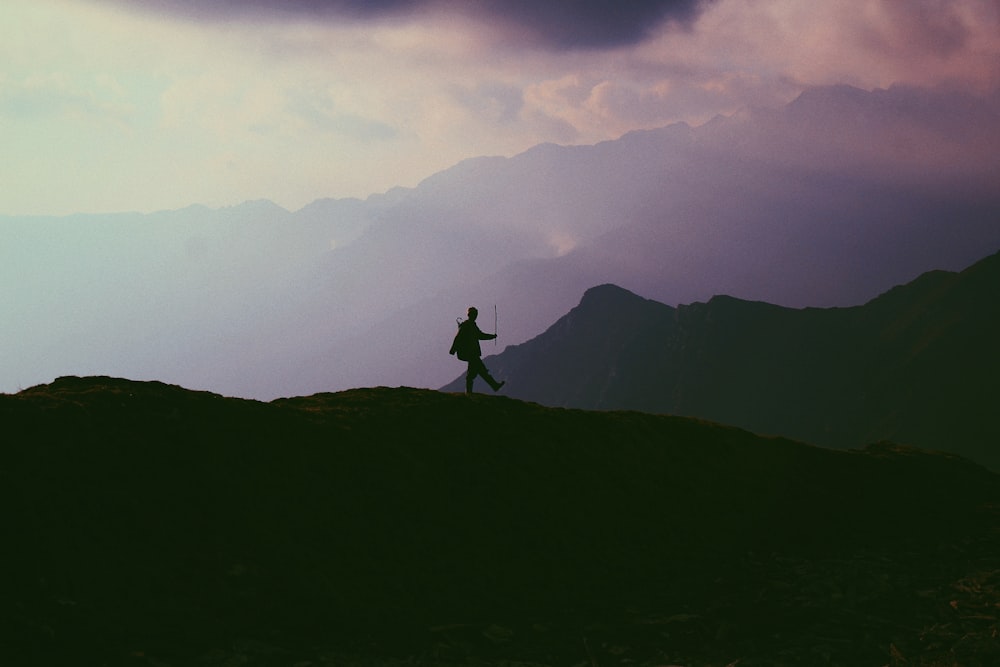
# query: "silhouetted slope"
{"type": "Point", "coordinates": [147, 524]}
{"type": "Point", "coordinates": [917, 365]}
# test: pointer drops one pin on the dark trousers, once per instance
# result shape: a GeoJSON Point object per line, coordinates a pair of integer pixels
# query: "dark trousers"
{"type": "Point", "coordinates": [477, 367]}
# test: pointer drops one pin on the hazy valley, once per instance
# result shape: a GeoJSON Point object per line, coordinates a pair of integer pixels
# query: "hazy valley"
{"type": "Point", "coordinates": [801, 206]}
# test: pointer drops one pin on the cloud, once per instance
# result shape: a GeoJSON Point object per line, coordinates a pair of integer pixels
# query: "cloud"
{"type": "Point", "coordinates": [866, 43]}
{"type": "Point", "coordinates": [305, 9]}
{"type": "Point", "coordinates": [492, 101]}
{"type": "Point", "coordinates": [365, 96]}
{"type": "Point", "coordinates": [919, 26]}
{"type": "Point", "coordinates": [574, 24]}
{"type": "Point", "coordinates": [38, 98]}
{"type": "Point", "coordinates": [550, 24]}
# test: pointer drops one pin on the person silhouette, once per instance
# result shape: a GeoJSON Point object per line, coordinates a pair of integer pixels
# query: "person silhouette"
{"type": "Point", "coordinates": [466, 347]}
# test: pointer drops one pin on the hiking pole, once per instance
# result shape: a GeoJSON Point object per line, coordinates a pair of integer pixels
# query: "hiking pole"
{"type": "Point", "coordinates": [495, 320]}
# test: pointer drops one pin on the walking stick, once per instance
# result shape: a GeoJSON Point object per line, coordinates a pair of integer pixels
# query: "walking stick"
{"type": "Point", "coordinates": [495, 320]}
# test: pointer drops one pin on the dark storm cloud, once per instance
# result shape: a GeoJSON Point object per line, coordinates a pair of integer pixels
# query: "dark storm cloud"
{"type": "Point", "coordinates": [554, 24]}
{"type": "Point", "coordinates": [563, 24]}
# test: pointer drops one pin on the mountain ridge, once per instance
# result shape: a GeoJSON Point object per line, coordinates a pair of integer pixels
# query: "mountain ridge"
{"type": "Point", "coordinates": [826, 204]}
{"type": "Point", "coordinates": [912, 365]}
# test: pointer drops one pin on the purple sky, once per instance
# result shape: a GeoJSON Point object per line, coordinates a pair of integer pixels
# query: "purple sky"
{"type": "Point", "coordinates": [110, 105]}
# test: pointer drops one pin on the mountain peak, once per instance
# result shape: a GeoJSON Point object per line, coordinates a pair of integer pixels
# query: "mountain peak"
{"type": "Point", "coordinates": [607, 292]}
{"type": "Point", "coordinates": [830, 97]}
{"type": "Point", "coordinates": [256, 206]}
{"type": "Point", "coordinates": [611, 302]}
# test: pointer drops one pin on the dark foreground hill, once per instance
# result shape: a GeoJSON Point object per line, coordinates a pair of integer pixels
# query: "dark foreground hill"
{"type": "Point", "coordinates": [918, 365]}
{"type": "Point", "coordinates": [145, 524]}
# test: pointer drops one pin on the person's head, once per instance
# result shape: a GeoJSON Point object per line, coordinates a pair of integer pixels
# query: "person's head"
{"type": "Point", "coordinates": [473, 313]}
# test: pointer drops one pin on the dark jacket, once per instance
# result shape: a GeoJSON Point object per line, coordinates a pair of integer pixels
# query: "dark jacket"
{"type": "Point", "coordinates": [466, 343]}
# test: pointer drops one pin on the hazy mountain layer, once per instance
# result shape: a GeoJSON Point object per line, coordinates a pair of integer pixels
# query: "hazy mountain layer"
{"type": "Point", "coordinates": [918, 364]}
{"type": "Point", "coordinates": [149, 525]}
{"type": "Point", "coordinates": [827, 202]}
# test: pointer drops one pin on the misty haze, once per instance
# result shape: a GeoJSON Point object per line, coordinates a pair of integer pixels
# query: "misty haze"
{"type": "Point", "coordinates": [815, 204]}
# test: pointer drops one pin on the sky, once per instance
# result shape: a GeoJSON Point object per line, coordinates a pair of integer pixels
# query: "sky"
{"type": "Point", "coordinates": [146, 105]}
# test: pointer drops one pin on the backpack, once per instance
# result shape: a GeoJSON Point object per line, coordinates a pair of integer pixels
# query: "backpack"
{"type": "Point", "coordinates": [464, 344]}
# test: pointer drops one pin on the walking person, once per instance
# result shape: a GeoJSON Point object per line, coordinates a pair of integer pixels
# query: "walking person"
{"type": "Point", "coordinates": [466, 347]}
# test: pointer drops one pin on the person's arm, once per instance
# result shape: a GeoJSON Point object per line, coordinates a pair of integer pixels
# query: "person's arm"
{"type": "Point", "coordinates": [484, 336]}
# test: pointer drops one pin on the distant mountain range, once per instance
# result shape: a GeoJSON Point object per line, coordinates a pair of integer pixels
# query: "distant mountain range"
{"type": "Point", "coordinates": [828, 201]}
{"type": "Point", "coordinates": [918, 365]}
{"type": "Point", "coordinates": [145, 524]}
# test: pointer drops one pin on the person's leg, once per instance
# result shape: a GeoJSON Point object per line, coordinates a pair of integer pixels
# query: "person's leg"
{"type": "Point", "coordinates": [470, 375]}
{"type": "Point", "coordinates": [477, 367]}
{"type": "Point", "coordinates": [489, 378]}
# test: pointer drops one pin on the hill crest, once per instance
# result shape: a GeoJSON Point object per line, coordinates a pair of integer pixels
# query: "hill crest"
{"type": "Point", "coordinates": [158, 524]}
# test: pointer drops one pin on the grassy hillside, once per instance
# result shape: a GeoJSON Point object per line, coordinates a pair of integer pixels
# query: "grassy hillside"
{"type": "Point", "coordinates": [151, 525]}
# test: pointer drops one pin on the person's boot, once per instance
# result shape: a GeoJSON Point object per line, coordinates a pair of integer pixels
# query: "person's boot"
{"type": "Point", "coordinates": [493, 383]}
{"type": "Point", "coordinates": [468, 384]}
